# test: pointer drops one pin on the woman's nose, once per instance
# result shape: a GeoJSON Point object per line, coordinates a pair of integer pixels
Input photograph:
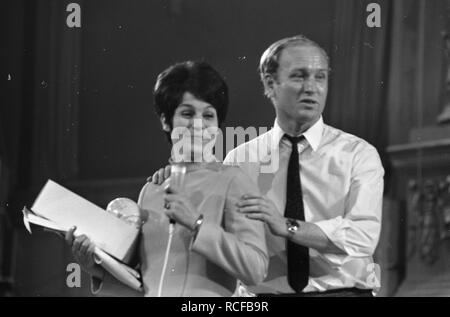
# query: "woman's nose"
{"type": "Point", "coordinates": [197, 123]}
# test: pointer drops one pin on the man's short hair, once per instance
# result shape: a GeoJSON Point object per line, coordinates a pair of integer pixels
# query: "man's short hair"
{"type": "Point", "coordinates": [269, 62]}
{"type": "Point", "coordinates": [198, 78]}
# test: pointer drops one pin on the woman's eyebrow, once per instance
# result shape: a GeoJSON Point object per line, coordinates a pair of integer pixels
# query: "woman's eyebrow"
{"type": "Point", "coordinates": [186, 105]}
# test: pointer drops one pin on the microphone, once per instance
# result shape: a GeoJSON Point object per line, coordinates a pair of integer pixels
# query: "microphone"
{"type": "Point", "coordinates": [174, 185]}
{"type": "Point", "coordinates": [176, 181]}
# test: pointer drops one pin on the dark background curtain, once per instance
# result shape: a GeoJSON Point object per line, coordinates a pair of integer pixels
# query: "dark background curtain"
{"type": "Point", "coordinates": [76, 104]}
{"type": "Point", "coordinates": [360, 64]}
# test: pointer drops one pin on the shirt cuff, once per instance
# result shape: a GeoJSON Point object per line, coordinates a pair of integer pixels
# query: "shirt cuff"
{"type": "Point", "coordinates": [334, 229]}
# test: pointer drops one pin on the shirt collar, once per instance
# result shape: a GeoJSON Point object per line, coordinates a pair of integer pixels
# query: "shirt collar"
{"type": "Point", "coordinates": [313, 135]}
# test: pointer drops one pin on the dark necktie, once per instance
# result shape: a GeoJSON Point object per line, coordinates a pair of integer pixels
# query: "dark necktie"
{"type": "Point", "coordinates": [297, 255]}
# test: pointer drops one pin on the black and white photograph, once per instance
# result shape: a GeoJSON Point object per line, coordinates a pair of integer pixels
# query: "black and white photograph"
{"type": "Point", "coordinates": [238, 149]}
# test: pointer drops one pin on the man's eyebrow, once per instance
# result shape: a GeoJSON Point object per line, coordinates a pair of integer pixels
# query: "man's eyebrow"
{"type": "Point", "coordinates": [308, 69]}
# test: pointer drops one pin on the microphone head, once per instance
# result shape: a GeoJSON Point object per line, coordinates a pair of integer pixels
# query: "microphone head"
{"type": "Point", "coordinates": [176, 181]}
{"type": "Point", "coordinates": [176, 178]}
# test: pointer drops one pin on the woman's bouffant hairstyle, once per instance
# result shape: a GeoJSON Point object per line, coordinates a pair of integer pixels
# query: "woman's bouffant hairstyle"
{"type": "Point", "coordinates": [197, 78]}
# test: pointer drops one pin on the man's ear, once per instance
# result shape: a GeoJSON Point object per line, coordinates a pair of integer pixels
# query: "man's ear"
{"type": "Point", "coordinates": [164, 123]}
{"type": "Point", "coordinates": [269, 82]}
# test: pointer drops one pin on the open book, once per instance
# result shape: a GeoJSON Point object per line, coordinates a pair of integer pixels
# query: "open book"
{"type": "Point", "coordinates": [59, 209]}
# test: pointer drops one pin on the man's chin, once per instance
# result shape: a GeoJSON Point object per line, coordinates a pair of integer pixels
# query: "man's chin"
{"type": "Point", "coordinates": [307, 116]}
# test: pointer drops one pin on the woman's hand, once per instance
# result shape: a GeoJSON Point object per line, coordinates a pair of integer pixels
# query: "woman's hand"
{"type": "Point", "coordinates": [83, 252]}
{"type": "Point", "coordinates": [179, 208]}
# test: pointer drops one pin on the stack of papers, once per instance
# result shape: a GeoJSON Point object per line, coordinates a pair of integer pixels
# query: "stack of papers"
{"type": "Point", "coordinates": [58, 209]}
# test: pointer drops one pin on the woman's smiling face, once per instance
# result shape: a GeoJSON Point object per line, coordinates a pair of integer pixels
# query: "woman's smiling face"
{"type": "Point", "coordinates": [195, 124]}
{"type": "Point", "coordinates": [191, 109]}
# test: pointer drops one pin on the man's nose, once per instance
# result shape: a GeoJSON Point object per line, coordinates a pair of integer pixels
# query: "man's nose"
{"type": "Point", "coordinates": [310, 86]}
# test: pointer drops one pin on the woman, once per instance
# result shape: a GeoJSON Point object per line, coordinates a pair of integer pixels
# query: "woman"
{"type": "Point", "coordinates": [211, 244]}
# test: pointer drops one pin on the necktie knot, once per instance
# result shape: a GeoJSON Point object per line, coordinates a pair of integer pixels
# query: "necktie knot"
{"type": "Point", "coordinates": [294, 139]}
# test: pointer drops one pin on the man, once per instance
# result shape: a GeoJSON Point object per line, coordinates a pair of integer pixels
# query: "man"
{"type": "Point", "coordinates": [322, 205]}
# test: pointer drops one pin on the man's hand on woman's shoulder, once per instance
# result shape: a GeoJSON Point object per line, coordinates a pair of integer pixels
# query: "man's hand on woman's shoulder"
{"type": "Point", "coordinates": [160, 176]}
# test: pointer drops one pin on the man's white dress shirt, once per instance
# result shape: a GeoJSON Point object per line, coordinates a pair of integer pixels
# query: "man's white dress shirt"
{"type": "Point", "coordinates": [342, 186]}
